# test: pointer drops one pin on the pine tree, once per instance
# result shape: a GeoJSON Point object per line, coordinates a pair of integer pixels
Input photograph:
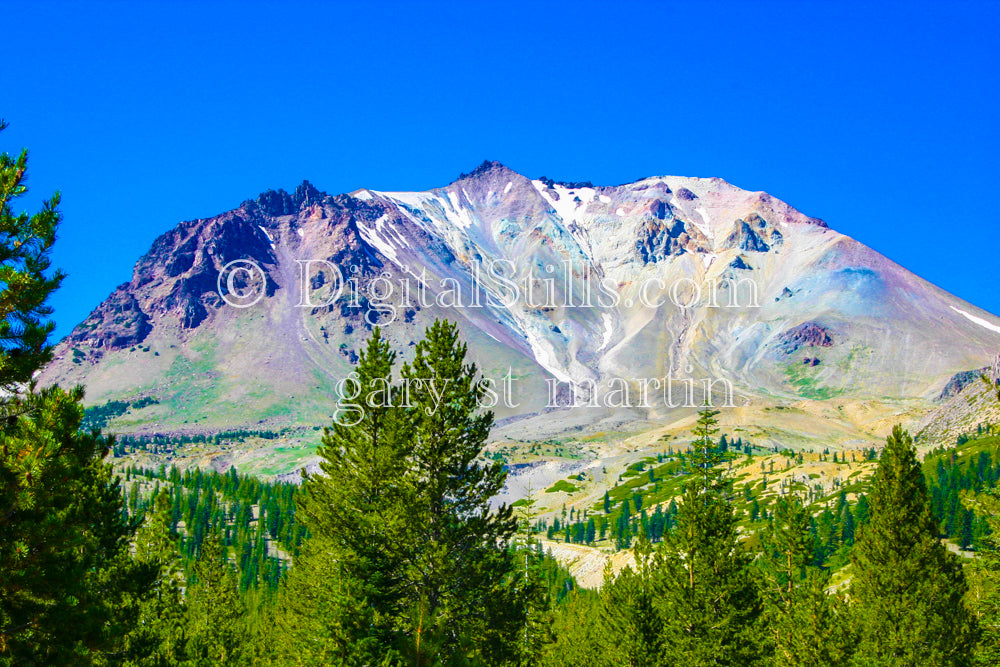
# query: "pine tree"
{"type": "Point", "coordinates": [25, 244]}
{"type": "Point", "coordinates": [984, 578]}
{"type": "Point", "coordinates": [459, 574]}
{"type": "Point", "coordinates": [347, 592]}
{"type": "Point", "coordinates": [216, 624]}
{"type": "Point", "coordinates": [705, 594]}
{"type": "Point", "coordinates": [629, 621]}
{"type": "Point", "coordinates": [67, 581]}
{"type": "Point", "coordinates": [407, 561]}
{"type": "Point", "coordinates": [907, 588]}
{"type": "Point", "coordinates": [805, 624]}
{"type": "Point", "coordinates": [534, 598]}
{"type": "Point", "coordinates": [158, 638]}
{"type": "Point", "coordinates": [67, 584]}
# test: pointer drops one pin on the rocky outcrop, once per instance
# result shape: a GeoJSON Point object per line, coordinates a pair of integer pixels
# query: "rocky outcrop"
{"type": "Point", "coordinates": [177, 279]}
{"type": "Point", "coordinates": [117, 323]}
{"type": "Point", "coordinates": [657, 239]}
{"type": "Point", "coordinates": [960, 381]}
{"type": "Point", "coordinates": [808, 334]}
{"type": "Point", "coordinates": [754, 234]}
{"type": "Point", "coordinates": [662, 235]}
{"type": "Point", "coordinates": [276, 203]}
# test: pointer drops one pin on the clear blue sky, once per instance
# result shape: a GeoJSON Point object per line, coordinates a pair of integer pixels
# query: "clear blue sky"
{"type": "Point", "coordinates": [880, 120]}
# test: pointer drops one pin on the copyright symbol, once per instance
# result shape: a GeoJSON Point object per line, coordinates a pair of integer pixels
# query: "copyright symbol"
{"type": "Point", "coordinates": [241, 283]}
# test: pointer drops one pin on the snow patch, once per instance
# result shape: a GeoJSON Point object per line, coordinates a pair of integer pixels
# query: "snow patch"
{"type": "Point", "coordinates": [373, 236]}
{"type": "Point", "coordinates": [510, 184]}
{"type": "Point", "coordinates": [608, 330]}
{"type": "Point", "coordinates": [605, 199]}
{"type": "Point", "coordinates": [267, 235]}
{"type": "Point", "coordinates": [461, 217]}
{"type": "Point", "coordinates": [620, 212]}
{"type": "Point", "coordinates": [978, 320]}
{"type": "Point", "coordinates": [364, 195]}
{"type": "Point", "coordinates": [569, 203]}
{"type": "Point", "coordinates": [706, 226]}
{"type": "Point", "coordinates": [545, 355]}
{"type": "Point", "coordinates": [302, 234]}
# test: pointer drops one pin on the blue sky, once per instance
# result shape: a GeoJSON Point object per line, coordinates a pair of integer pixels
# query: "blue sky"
{"type": "Point", "coordinates": [880, 120]}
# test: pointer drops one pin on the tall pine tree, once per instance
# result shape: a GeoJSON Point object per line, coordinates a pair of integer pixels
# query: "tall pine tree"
{"type": "Point", "coordinates": [26, 240]}
{"type": "Point", "coordinates": [159, 637]}
{"type": "Point", "coordinates": [407, 560]}
{"type": "Point", "coordinates": [630, 624]}
{"type": "Point", "coordinates": [347, 594]}
{"type": "Point", "coordinates": [706, 595]}
{"type": "Point", "coordinates": [461, 587]}
{"type": "Point", "coordinates": [806, 625]}
{"type": "Point", "coordinates": [907, 589]}
{"type": "Point", "coordinates": [216, 624]}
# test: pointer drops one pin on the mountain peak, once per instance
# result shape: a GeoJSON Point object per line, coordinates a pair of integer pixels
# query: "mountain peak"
{"type": "Point", "coordinates": [307, 193]}
{"type": "Point", "coordinates": [486, 167]}
{"type": "Point", "coordinates": [278, 202]}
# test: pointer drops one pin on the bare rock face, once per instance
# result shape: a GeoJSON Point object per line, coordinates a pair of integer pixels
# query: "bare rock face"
{"type": "Point", "coordinates": [178, 279]}
{"type": "Point", "coordinates": [808, 334]}
{"type": "Point", "coordinates": [117, 323]}
{"type": "Point", "coordinates": [658, 238]}
{"type": "Point", "coordinates": [960, 381]}
{"type": "Point", "coordinates": [179, 275]}
{"type": "Point", "coordinates": [662, 234]}
{"type": "Point", "coordinates": [754, 234]}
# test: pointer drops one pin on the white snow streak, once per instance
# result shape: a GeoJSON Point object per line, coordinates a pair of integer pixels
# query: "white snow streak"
{"type": "Point", "coordinates": [461, 218]}
{"type": "Point", "coordinates": [608, 330]}
{"type": "Point", "coordinates": [374, 239]}
{"type": "Point", "coordinates": [978, 320]}
{"type": "Point", "coordinates": [545, 355]}
{"type": "Point", "coordinates": [706, 226]}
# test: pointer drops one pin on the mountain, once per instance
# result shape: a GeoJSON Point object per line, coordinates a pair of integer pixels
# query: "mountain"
{"type": "Point", "coordinates": [581, 295]}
